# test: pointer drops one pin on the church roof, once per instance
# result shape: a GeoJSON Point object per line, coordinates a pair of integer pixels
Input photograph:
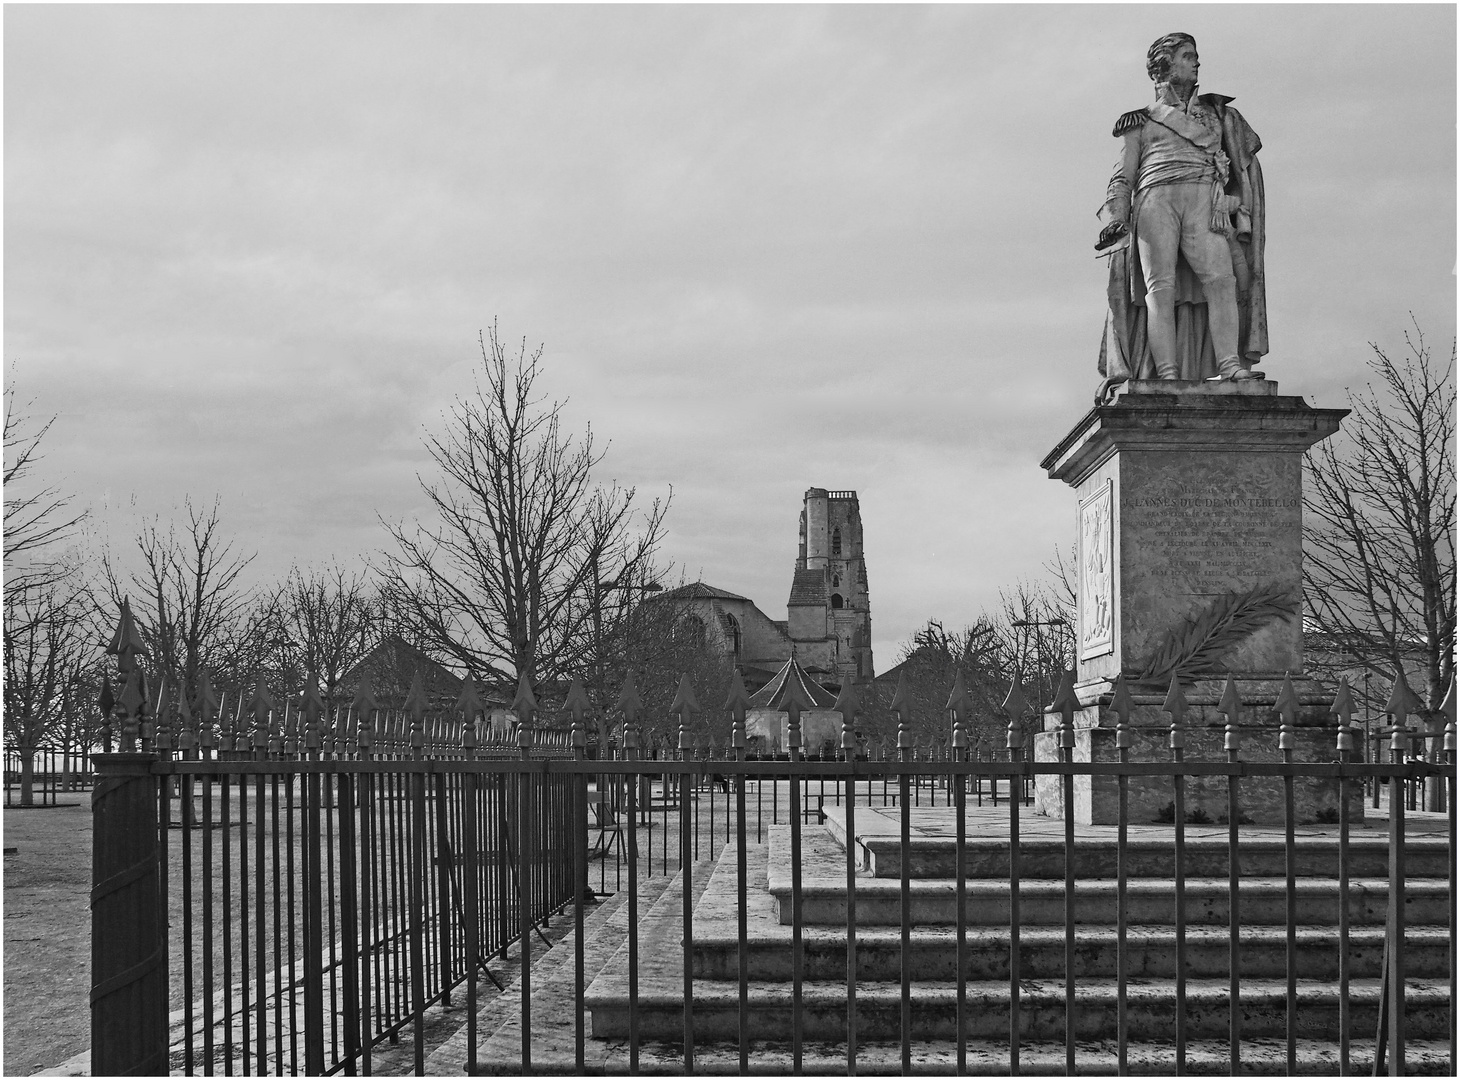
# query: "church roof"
{"type": "Point", "coordinates": [696, 590]}
{"type": "Point", "coordinates": [767, 696]}
{"type": "Point", "coordinates": [808, 588]}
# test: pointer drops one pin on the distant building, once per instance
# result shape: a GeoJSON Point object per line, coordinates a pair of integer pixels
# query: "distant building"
{"type": "Point", "coordinates": [828, 624]}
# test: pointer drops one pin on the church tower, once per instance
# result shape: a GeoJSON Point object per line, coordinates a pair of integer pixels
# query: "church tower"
{"type": "Point", "coordinates": [829, 613]}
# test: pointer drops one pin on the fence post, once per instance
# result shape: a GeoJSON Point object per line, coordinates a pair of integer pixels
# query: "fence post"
{"type": "Point", "coordinates": [128, 955]}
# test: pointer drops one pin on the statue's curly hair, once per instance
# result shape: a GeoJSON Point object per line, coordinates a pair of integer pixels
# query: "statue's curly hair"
{"type": "Point", "coordinates": [1158, 56]}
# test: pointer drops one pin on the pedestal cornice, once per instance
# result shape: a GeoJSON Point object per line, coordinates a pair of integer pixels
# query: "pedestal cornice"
{"type": "Point", "coordinates": [1157, 416]}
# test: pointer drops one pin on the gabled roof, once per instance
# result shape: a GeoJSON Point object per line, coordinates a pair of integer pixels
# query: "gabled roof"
{"type": "Point", "coordinates": [697, 590]}
{"type": "Point", "coordinates": [808, 588]}
{"type": "Point", "coordinates": [767, 696]}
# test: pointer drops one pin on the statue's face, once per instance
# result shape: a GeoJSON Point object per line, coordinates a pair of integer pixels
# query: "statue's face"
{"type": "Point", "coordinates": [1184, 64]}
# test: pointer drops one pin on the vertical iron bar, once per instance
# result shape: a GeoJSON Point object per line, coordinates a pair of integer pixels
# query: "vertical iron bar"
{"type": "Point", "coordinates": [1394, 935]}
{"type": "Point", "coordinates": [851, 812]}
{"type": "Point", "coordinates": [279, 983]}
{"type": "Point", "coordinates": [905, 875]}
{"type": "Point", "coordinates": [1234, 923]}
{"type": "Point", "coordinates": [1013, 919]}
{"type": "Point", "coordinates": [1068, 783]}
{"type": "Point", "coordinates": [368, 913]}
{"type": "Point", "coordinates": [686, 875]}
{"type": "Point", "coordinates": [349, 925]}
{"type": "Point", "coordinates": [207, 782]}
{"type": "Point", "coordinates": [293, 930]}
{"type": "Point", "coordinates": [245, 1009]}
{"type": "Point", "coordinates": [524, 848]}
{"type": "Point", "coordinates": [228, 893]}
{"type": "Point", "coordinates": [1344, 1009]}
{"type": "Point", "coordinates": [798, 958]}
{"type": "Point", "coordinates": [1180, 857]}
{"type": "Point", "coordinates": [1122, 956]}
{"type": "Point", "coordinates": [960, 891]}
{"type": "Point", "coordinates": [633, 816]}
{"type": "Point", "coordinates": [185, 794]}
{"type": "Point", "coordinates": [261, 930]}
{"type": "Point", "coordinates": [580, 889]}
{"type": "Point", "coordinates": [314, 1063]}
{"type": "Point", "coordinates": [1291, 917]}
{"type": "Point", "coordinates": [741, 928]}
{"type": "Point", "coordinates": [471, 917]}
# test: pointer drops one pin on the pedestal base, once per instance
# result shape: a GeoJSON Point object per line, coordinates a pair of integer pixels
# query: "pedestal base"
{"type": "Point", "coordinates": [1260, 798]}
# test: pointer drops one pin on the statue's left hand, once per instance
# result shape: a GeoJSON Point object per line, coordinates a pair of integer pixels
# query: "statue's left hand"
{"type": "Point", "coordinates": [1111, 235]}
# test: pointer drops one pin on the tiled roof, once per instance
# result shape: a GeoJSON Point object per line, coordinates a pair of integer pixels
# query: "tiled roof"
{"type": "Point", "coordinates": [767, 696]}
{"type": "Point", "coordinates": [696, 590]}
{"type": "Point", "coordinates": [808, 588]}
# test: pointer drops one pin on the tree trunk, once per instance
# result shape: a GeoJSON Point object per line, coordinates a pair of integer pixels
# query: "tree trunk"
{"type": "Point", "coordinates": [27, 776]}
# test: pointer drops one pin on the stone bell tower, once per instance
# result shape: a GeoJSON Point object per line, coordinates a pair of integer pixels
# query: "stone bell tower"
{"type": "Point", "coordinates": [829, 612]}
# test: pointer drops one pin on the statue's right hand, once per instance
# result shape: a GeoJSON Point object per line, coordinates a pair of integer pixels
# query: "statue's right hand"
{"type": "Point", "coordinates": [1111, 234]}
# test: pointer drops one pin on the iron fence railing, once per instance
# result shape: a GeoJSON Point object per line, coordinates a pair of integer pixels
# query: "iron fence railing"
{"type": "Point", "coordinates": [55, 775]}
{"type": "Point", "coordinates": [288, 897]}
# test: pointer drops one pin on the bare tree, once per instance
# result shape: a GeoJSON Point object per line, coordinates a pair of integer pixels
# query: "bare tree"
{"type": "Point", "coordinates": [189, 602]}
{"type": "Point", "coordinates": [507, 578]}
{"type": "Point", "coordinates": [49, 641]}
{"type": "Point", "coordinates": [37, 520]}
{"type": "Point", "coordinates": [1379, 526]}
{"type": "Point", "coordinates": [317, 622]}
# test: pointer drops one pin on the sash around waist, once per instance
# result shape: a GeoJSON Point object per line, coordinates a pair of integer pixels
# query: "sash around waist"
{"type": "Point", "coordinates": [1158, 173]}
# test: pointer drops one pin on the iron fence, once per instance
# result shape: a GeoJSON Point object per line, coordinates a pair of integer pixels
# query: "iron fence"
{"type": "Point", "coordinates": [335, 881]}
{"type": "Point", "coordinates": [55, 775]}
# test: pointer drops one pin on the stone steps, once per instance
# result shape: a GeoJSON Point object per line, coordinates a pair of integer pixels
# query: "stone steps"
{"type": "Point", "coordinates": [938, 1057]}
{"type": "Point", "coordinates": [1150, 1010]}
{"type": "Point", "coordinates": [1150, 1001]}
{"type": "Point", "coordinates": [1150, 949]}
{"type": "Point", "coordinates": [1149, 901]}
{"type": "Point", "coordinates": [1206, 851]}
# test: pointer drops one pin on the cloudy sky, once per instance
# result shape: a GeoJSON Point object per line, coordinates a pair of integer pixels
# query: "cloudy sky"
{"type": "Point", "coordinates": [248, 252]}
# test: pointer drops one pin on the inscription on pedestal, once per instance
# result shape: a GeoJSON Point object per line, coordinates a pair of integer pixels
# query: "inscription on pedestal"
{"type": "Point", "coordinates": [1208, 541]}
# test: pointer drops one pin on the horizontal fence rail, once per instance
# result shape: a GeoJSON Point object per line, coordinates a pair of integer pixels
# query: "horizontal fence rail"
{"type": "Point", "coordinates": [290, 898]}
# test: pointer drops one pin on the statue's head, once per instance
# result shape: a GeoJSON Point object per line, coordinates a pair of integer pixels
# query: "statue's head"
{"type": "Point", "coordinates": [1160, 55]}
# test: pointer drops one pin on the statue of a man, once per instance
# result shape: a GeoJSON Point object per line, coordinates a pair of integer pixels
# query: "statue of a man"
{"type": "Point", "coordinates": [1185, 220]}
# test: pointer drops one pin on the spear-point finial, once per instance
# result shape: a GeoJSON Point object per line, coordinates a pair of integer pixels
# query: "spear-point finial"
{"type": "Point", "coordinates": [1402, 701]}
{"type": "Point", "coordinates": [1067, 702]}
{"type": "Point", "coordinates": [1343, 708]}
{"type": "Point", "coordinates": [1231, 707]}
{"type": "Point", "coordinates": [1447, 710]}
{"type": "Point", "coordinates": [364, 706]}
{"type": "Point", "coordinates": [1286, 707]}
{"type": "Point", "coordinates": [737, 701]}
{"type": "Point", "coordinates": [313, 713]}
{"type": "Point", "coordinates": [158, 733]}
{"type": "Point", "coordinates": [902, 704]}
{"type": "Point", "coordinates": [1015, 705]}
{"type": "Point", "coordinates": [577, 705]}
{"type": "Point", "coordinates": [524, 705]}
{"type": "Point", "coordinates": [468, 704]}
{"type": "Point", "coordinates": [687, 706]}
{"type": "Point", "coordinates": [262, 706]}
{"type": "Point", "coordinates": [848, 701]}
{"type": "Point", "coordinates": [958, 706]}
{"type": "Point", "coordinates": [126, 642]}
{"type": "Point", "coordinates": [791, 701]}
{"type": "Point", "coordinates": [132, 699]}
{"type": "Point", "coordinates": [207, 705]}
{"type": "Point", "coordinates": [416, 705]}
{"type": "Point", "coordinates": [1175, 704]}
{"type": "Point", "coordinates": [629, 704]}
{"type": "Point", "coordinates": [187, 735]}
{"type": "Point", "coordinates": [1122, 705]}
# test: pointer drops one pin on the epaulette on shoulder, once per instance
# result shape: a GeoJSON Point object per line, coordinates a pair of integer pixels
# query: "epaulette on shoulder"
{"type": "Point", "coordinates": [1130, 121]}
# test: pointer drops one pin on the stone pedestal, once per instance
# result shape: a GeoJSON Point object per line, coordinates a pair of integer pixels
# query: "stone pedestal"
{"type": "Point", "coordinates": [1190, 559]}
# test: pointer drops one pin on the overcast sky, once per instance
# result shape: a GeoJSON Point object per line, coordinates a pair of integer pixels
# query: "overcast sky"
{"type": "Point", "coordinates": [248, 251]}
